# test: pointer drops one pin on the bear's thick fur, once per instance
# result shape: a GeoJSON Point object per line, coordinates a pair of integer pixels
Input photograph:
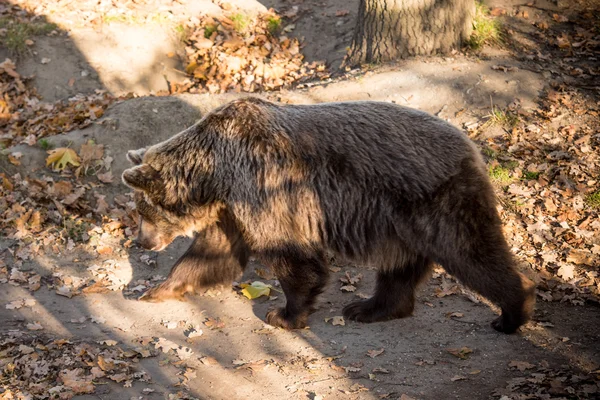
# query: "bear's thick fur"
{"type": "Point", "coordinates": [374, 182]}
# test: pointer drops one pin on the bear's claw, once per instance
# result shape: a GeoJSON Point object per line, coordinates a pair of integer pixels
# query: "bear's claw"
{"type": "Point", "coordinates": [160, 293]}
{"type": "Point", "coordinates": [279, 318]}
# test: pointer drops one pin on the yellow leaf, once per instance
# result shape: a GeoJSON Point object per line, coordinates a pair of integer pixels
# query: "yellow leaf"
{"type": "Point", "coordinates": [256, 289]}
{"type": "Point", "coordinates": [191, 67]}
{"type": "Point", "coordinates": [61, 157]}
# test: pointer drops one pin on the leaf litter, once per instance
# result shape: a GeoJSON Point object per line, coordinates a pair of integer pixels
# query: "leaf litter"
{"type": "Point", "coordinates": [38, 366]}
{"type": "Point", "coordinates": [544, 382]}
{"type": "Point", "coordinates": [224, 56]}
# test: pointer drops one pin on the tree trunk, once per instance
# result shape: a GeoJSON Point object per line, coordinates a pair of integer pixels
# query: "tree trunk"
{"type": "Point", "coordinates": [391, 29]}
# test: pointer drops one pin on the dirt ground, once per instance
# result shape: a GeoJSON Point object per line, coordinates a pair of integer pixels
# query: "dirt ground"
{"type": "Point", "coordinates": [217, 346]}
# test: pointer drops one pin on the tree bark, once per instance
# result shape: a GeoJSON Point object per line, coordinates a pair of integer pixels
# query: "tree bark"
{"type": "Point", "coordinates": [391, 29]}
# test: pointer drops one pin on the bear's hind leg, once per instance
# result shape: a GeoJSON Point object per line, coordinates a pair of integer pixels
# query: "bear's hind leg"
{"type": "Point", "coordinates": [515, 314]}
{"type": "Point", "coordinates": [487, 267]}
{"type": "Point", "coordinates": [302, 277]}
{"type": "Point", "coordinates": [394, 295]}
{"type": "Point", "coordinates": [217, 255]}
{"type": "Point", "coordinates": [495, 278]}
{"type": "Point", "coordinates": [467, 240]}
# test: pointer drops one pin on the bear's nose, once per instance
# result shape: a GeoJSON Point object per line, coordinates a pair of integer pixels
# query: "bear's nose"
{"type": "Point", "coordinates": [146, 243]}
{"type": "Point", "coordinates": [150, 243]}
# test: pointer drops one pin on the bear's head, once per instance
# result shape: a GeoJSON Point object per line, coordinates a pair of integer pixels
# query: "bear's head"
{"type": "Point", "coordinates": [158, 223]}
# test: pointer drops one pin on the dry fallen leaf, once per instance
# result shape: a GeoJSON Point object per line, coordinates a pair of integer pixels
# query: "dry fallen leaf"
{"type": "Point", "coordinates": [582, 257]}
{"type": "Point", "coordinates": [190, 373]}
{"type": "Point", "coordinates": [15, 305]}
{"type": "Point", "coordinates": [104, 250]}
{"type": "Point", "coordinates": [91, 151]}
{"type": "Point", "coordinates": [563, 41]}
{"type": "Point", "coordinates": [97, 373]}
{"type": "Point", "coordinates": [351, 280]}
{"type": "Point", "coordinates": [560, 18]}
{"type": "Point", "coordinates": [35, 326]}
{"type": "Point", "coordinates": [213, 323]}
{"type": "Point", "coordinates": [447, 288]}
{"type": "Point", "coordinates": [462, 353]}
{"type": "Point", "coordinates": [73, 197]}
{"type": "Point", "coordinates": [65, 291]}
{"type": "Point", "coordinates": [455, 315]}
{"type": "Point", "coordinates": [209, 360]}
{"type": "Point", "coordinates": [521, 365]}
{"type": "Point", "coordinates": [169, 324]}
{"type": "Point", "coordinates": [74, 380]}
{"type": "Point", "coordinates": [106, 364]}
{"type": "Point", "coordinates": [61, 189]}
{"type": "Point", "coordinates": [106, 177]}
{"type": "Point", "coordinates": [25, 349]}
{"type": "Point", "coordinates": [119, 377]}
{"type": "Point", "coordinates": [381, 370]}
{"type": "Point", "coordinates": [184, 353]}
{"type": "Point", "coordinates": [374, 353]}
{"type": "Point", "coordinates": [61, 157]}
{"type": "Point", "coordinates": [14, 158]}
{"type": "Point", "coordinates": [194, 333]}
{"type": "Point", "coordinates": [567, 272]}
{"type": "Point", "coordinates": [165, 345]}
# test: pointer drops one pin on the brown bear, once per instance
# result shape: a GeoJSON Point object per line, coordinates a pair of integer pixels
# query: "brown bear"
{"type": "Point", "coordinates": [374, 182]}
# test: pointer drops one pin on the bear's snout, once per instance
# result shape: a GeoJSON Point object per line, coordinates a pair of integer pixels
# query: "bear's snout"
{"type": "Point", "coordinates": [149, 244]}
{"type": "Point", "coordinates": [149, 237]}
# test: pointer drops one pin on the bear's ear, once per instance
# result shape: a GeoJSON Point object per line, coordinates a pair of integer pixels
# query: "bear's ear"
{"type": "Point", "coordinates": [136, 156]}
{"type": "Point", "coordinates": [141, 177]}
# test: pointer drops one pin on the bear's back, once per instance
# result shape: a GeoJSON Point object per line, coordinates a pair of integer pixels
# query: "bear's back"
{"type": "Point", "coordinates": [379, 144]}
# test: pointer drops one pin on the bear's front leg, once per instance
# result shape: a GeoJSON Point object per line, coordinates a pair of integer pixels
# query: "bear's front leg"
{"type": "Point", "coordinates": [217, 255]}
{"type": "Point", "coordinates": [303, 276]}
